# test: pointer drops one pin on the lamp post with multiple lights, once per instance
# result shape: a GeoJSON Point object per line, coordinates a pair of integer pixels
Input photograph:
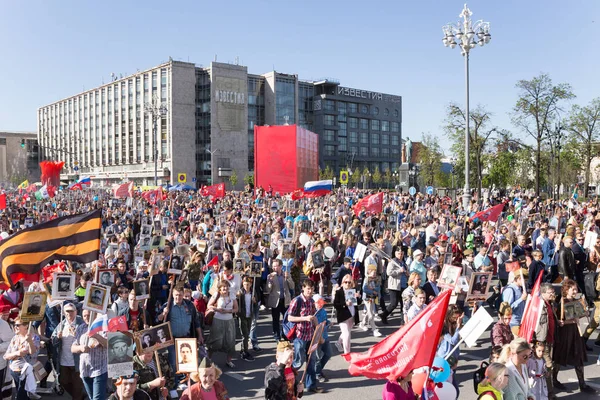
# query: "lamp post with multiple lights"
{"type": "Point", "coordinates": [156, 110]}
{"type": "Point", "coordinates": [467, 35]}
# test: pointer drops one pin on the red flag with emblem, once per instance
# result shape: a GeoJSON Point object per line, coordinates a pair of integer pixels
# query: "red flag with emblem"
{"type": "Point", "coordinates": [372, 203]}
{"type": "Point", "coordinates": [217, 190]}
{"type": "Point", "coordinates": [123, 190]}
{"type": "Point", "coordinates": [118, 324]}
{"type": "Point", "coordinates": [489, 214]}
{"type": "Point", "coordinates": [297, 194]}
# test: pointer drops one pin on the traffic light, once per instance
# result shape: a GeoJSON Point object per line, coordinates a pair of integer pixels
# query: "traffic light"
{"type": "Point", "coordinates": [22, 143]}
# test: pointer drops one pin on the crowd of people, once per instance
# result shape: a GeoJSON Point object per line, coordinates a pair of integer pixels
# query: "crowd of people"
{"type": "Point", "coordinates": [213, 266]}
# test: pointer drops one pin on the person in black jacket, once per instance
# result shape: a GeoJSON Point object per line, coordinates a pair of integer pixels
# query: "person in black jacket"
{"type": "Point", "coordinates": [278, 373]}
{"type": "Point", "coordinates": [431, 288]}
{"type": "Point", "coordinates": [535, 268]}
{"type": "Point", "coordinates": [580, 261]}
{"type": "Point", "coordinates": [346, 313]}
{"type": "Point", "coordinates": [566, 259]}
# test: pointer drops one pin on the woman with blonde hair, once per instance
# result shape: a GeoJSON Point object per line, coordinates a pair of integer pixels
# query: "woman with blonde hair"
{"type": "Point", "coordinates": [501, 332]}
{"type": "Point", "coordinates": [346, 312]}
{"type": "Point", "coordinates": [207, 385]}
{"type": "Point", "coordinates": [496, 379]}
{"type": "Point", "coordinates": [414, 282]}
{"type": "Point", "coordinates": [515, 356]}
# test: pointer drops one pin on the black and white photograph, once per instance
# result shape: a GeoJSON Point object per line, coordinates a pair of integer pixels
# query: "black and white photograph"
{"type": "Point", "coordinates": [147, 220]}
{"type": "Point", "coordinates": [106, 276]}
{"type": "Point", "coordinates": [63, 286]}
{"type": "Point", "coordinates": [217, 246]}
{"type": "Point", "coordinates": [266, 240]}
{"type": "Point", "coordinates": [175, 265]}
{"type": "Point", "coordinates": [187, 355]}
{"type": "Point", "coordinates": [157, 225]}
{"type": "Point", "coordinates": [96, 298]}
{"type": "Point", "coordinates": [202, 246]}
{"type": "Point", "coordinates": [479, 285]}
{"type": "Point", "coordinates": [260, 202]}
{"type": "Point", "coordinates": [287, 250]}
{"type": "Point", "coordinates": [305, 226]}
{"type": "Point", "coordinates": [158, 242]}
{"type": "Point", "coordinates": [34, 306]}
{"type": "Point", "coordinates": [145, 243]}
{"type": "Point", "coordinates": [256, 269]}
{"type": "Point", "coordinates": [238, 265]}
{"type": "Point", "coordinates": [155, 338]}
{"type": "Point", "coordinates": [142, 289]}
{"type": "Point", "coordinates": [146, 231]}
{"type": "Point", "coordinates": [449, 276]}
{"type": "Point", "coordinates": [28, 222]}
{"type": "Point", "coordinates": [120, 354]}
{"type": "Point", "coordinates": [244, 255]}
{"type": "Point", "coordinates": [317, 259]}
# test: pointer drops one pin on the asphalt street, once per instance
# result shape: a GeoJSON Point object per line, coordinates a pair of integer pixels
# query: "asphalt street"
{"type": "Point", "coordinates": [246, 380]}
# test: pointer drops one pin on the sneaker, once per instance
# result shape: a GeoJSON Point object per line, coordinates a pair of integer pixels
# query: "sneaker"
{"type": "Point", "coordinates": [383, 319]}
{"type": "Point", "coordinates": [321, 378]}
{"type": "Point", "coordinates": [377, 318]}
{"type": "Point", "coordinates": [315, 389]}
{"type": "Point", "coordinates": [230, 364]}
{"type": "Point", "coordinates": [363, 327]}
{"type": "Point", "coordinates": [340, 348]}
{"type": "Point", "coordinates": [34, 396]}
{"type": "Point", "coordinates": [262, 307]}
{"type": "Point", "coordinates": [588, 389]}
{"type": "Point", "coordinates": [376, 333]}
{"type": "Point", "coordinates": [256, 349]}
{"type": "Point", "coordinates": [247, 356]}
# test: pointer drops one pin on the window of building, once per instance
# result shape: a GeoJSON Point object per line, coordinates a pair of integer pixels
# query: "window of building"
{"type": "Point", "coordinates": [329, 150]}
{"type": "Point", "coordinates": [163, 77]}
{"type": "Point", "coordinates": [395, 126]}
{"type": "Point", "coordinates": [353, 123]}
{"type": "Point", "coordinates": [385, 152]}
{"type": "Point", "coordinates": [342, 144]}
{"type": "Point", "coordinates": [364, 124]}
{"type": "Point", "coordinates": [2, 141]}
{"type": "Point", "coordinates": [364, 138]}
{"type": "Point", "coordinates": [341, 107]}
{"type": "Point", "coordinates": [395, 152]}
{"type": "Point", "coordinates": [396, 113]}
{"type": "Point", "coordinates": [385, 126]}
{"type": "Point", "coordinates": [364, 151]}
{"type": "Point", "coordinates": [374, 138]}
{"type": "Point", "coordinates": [353, 151]}
{"type": "Point", "coordinates": [374, 124]}
{"type": "Point", "coordinates": [329, 135]}
{"type": "Point", "coordinates": [353, 137]}
{"type": "Point", "coordinates": [395, 140]}
{"type": "Point", "coordinates": [375, 151]}
{"type": "Point", "coordinates": [385, 140]}
{"type": "Point", "coordinates": [342, 131]}
{"type": "Point", "coordinates": [375, 110]}
{"type": "Point", "coordinates": [329, 120]}
{"type": "Point", "coordinates": [329, 105]}
{"type": "Point", "coordinates": [352, 108]}
{"type": "Point", "coordinates": [364, 109]}
{"type": "Point", "coordinates": [386, 112]}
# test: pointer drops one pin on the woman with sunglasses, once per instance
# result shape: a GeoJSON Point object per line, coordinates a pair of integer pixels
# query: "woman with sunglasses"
{"type": "Point", "coordinates": [22, 350]}
{"type": "Point", "coordinates": [515, 356]}
{"type": "Point", "coordinates": [346, 313]}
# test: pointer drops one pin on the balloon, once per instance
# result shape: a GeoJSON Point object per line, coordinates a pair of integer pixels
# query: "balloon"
{"type": "Point", "coordinates": [329, 252]}
{"type": "Point", "coordinates": [418, 381]}
{"type": "Point", "coordinates": [95, 198]}
{"type": "Point", "coordinates": [446, 391]}
{"type": "Point", "coordinates": [444, 374]}
{"type": "Point", "coordinates": [3, 235]}
{"type": "Point", "coordinates": [304, 240]}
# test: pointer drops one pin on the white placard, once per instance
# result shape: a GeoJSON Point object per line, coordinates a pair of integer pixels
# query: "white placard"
{"type": "Point", "coordinates": [359, 253]}
{"type": "Point", "coordinates": [590, 240]}
{"type": "Point", "coordinates": [475, 327]}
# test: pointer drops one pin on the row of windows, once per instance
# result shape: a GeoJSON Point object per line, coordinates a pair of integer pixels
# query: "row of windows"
{"type": "Point", "coordinates": [342, 107]}
{"type": "Point", "coordinates": [329, 150]}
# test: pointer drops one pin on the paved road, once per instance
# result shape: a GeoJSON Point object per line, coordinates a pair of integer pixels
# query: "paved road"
{"type": "Point", "coordinates": [245, 381]}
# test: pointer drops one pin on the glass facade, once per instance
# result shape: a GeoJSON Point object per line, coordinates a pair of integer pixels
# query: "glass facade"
{"type": "Point", "coordinates": [285, 103]}
{"type": "Point", "coordinates": [256, 112]}
{"type": "Point", "coordinates": [202, 126]}
{"type": "Point", "coordinates": [305, 105]}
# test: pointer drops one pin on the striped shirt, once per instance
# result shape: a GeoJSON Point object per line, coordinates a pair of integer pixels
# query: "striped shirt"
{"type": "Point", "coordinates": [18, 343]}
{"type": "Point", "coordinates": [94, 363]}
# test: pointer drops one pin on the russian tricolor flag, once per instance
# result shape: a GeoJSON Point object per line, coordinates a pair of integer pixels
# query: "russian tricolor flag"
{"type": "Point", "coordinates": [100, 324]}
{"type": "Point", "coordinates": [317, 188]}
{"type": "Point", "coordinates": [85, 181]}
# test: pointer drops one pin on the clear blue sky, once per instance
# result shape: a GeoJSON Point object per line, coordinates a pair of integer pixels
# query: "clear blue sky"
{"type": "Point", "coordinates": [54, 49]}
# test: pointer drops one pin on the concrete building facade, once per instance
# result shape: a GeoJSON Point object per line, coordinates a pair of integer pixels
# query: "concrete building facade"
{"type": "Point", "coordinates": [18, 158]}
{"type": "Point", "coordinates": [207, 133]}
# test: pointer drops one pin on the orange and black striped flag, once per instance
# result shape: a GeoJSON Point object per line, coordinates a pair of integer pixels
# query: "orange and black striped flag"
{"type": "Point", "coordinates": [73, 237]}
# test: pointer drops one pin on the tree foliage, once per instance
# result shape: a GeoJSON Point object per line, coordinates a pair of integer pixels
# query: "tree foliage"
{"type": "Point", "coordinates": [233, 178]}
{"type": "Point", "coordinates": [430, 159]}
{"type": "Point", "coordinates": [584, 126]}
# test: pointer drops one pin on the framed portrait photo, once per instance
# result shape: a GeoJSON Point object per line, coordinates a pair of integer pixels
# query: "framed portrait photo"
{"type": "Point", "coordinates": [96, 298]}
{"type": "Point", "coordinates": [238, 265]}
{"type": "Point", "coordinates": [186, 354]}
{"type": "Point", "coordinates": [256, 269]}
{"type": "Point", "coordinates": [244, 255]}
{"type": "Point", "coordinates": [63, 286]}
{"type": "Point", "coordinates": [154, 338]}
{"type": "Point", "coordinates": [175, 265]}
{"type": "Point", "coordinates": [317, 259]}
{"type": "Point", "coordinates": [449, 276]}
{"type": "Point", "coordinates": [146, 231]}
{"type": "Point", "coordinates": [142, 289]}
{"type": "Point", "coordinates": [479, 286]}
{"type": "Point", "coordinates": [287, 250]}
{"type": "Point", "coordinates": [106, 276]}
{"type": "Point", "coordinates": [34, 306]}
{"type": "Point", "coordinates": [120, 354]}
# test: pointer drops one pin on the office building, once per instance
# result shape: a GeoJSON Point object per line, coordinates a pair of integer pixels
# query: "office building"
{"type": "Point", "coordinates": [206, 133]}
{"type": "Point", "coordinates": [18, 158]}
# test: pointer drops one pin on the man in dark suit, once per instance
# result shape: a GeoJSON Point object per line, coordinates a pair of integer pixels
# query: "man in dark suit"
{"type": "Point", "coordinates": [566, 259]}
{"type": "Point", "coordinates": [431, 289]}
{"type": "Point", "coordinates": [580, 260]}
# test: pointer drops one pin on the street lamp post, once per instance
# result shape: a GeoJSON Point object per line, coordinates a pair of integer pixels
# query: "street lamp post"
{"type": "Point", "coordinates": [156, 110]}
{"type": "Point", "coordinates": [469, 35]}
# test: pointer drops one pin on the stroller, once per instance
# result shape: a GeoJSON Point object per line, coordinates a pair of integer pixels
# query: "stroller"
{"type": "Point", "coordinates": [56, 387]}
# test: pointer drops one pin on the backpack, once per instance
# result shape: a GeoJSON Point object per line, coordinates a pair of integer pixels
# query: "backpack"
{"type": "Point", "coordinates": [288, 327]}
{"type": "Point", "coordinates": [479, 375]}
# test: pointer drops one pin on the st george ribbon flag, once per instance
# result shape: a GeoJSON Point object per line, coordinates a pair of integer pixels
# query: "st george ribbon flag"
{"type": "Point", "coordinates": [410, 347]}
{"type": "Point", "coordinates": [372, 203]}
{"type": "Point", "coordinates": [489, 214]}
{"type": "Point", "coordinates": [533, 311]}
{"type": "Point", "coordinates": [72, 237]}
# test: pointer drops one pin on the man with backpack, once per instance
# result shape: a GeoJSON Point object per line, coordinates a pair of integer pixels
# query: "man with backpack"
{"type": "Point", "coordinates": [301, 313]}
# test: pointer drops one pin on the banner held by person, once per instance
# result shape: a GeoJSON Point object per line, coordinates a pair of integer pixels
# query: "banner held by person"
{"type": "Point", "coordinates": [410, 347]}
{"type": "Point", "coordinates": [317, 188]}
{"type": "Point", "coordinates": [489, 214]}
{"type": "Point", "coordinates": [533, 311]}
{"type": "Point", "coordinates": [372, 204]}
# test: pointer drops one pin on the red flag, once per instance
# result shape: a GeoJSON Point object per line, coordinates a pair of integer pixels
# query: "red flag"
{"type": "Point", "coordinates": [2, 201]}
{"type": "Point", "coordinates": [48, 270]}
{"type": "Point", "coordinates": [372, 204]}
{"type": "Point", "coordinates": [512, 266]}
{"type": "Point", "coordinates": [489, 214]}
{"type": "Point", "coordinates": [533, 311]}
{"type": "Point", "coordinates": [217, 190]}
{"type": "Point", "coordinates": [297, 194]}
{"type": "Point", "coordinates": [214, 261]}
{"type": "Point", "coordinates": [412, 346]}
{"type": "Point", "coordinates": [118, 324]}
{"type": "Point", "coordinates": [124, 190]}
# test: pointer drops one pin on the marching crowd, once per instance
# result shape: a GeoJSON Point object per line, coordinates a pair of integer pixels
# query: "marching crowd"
{"type": "Point", "coordinates": [247, 254]}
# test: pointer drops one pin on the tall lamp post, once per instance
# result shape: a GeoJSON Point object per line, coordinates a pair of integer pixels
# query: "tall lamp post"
{"type": "Point", "coordinates": [156, 110]}
{"type": "Point", "coordinates": [467, 35]}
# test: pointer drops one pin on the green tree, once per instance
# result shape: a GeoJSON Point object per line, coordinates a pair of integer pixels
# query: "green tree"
{"type": "Point", "coordinates": [326, 174]}
{"type": "Point", "coordinates": [387, 177]}
{"type": "Point", "coordinates": [366, 175]}
{"type": "Point", "coordinates": [536, 109]}
{"type": "Point", "coordinates": [480, 133]}
{"type": "Point", "coordinates": [377, 177]}
{"type": "Point", "coordinates": [355, 177]}
{"type": "Point", "coordinates": [233, 178]}
{"type": "Point", "coordinates": [249, 179]}
{"type": "Point", "coordinates": [430, 159]}
{"type": "Point", "coordinates": [584, 125]}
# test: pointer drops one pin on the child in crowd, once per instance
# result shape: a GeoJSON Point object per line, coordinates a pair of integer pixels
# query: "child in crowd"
{"type": "Point", "coordinates": [280, 378]}
{"type": "Point", "coordinates": [370, 292]}
{"type": "Point", "coordinates": [418, 304]}
{"type": "Point", "coordinates": [536, 367]}
{"type": "Point", "coordinates": [122, 300]}
{"type": "Point", "coordinates": [247, 302]}
{"type": "Point", "coordinates": [324, 351]}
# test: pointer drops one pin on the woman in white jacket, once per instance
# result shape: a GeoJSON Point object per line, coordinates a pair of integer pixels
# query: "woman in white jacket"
{"type": "Point", "coordinates": [515, 356]}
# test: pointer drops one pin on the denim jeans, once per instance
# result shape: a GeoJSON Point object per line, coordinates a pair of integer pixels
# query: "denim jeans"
{"type": "Point", "coordinates": [324, 356]}
{"type": "Point", "coordinates": [300, 353]}
{"type": "Point", "coordinates": [277, 313]}
{"type": "Point", "coordinates": [96, 387]}
{"type": "Point", "coordinates": [253, 337]}
{"type": "Point", "coordinates": [20, 385]}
